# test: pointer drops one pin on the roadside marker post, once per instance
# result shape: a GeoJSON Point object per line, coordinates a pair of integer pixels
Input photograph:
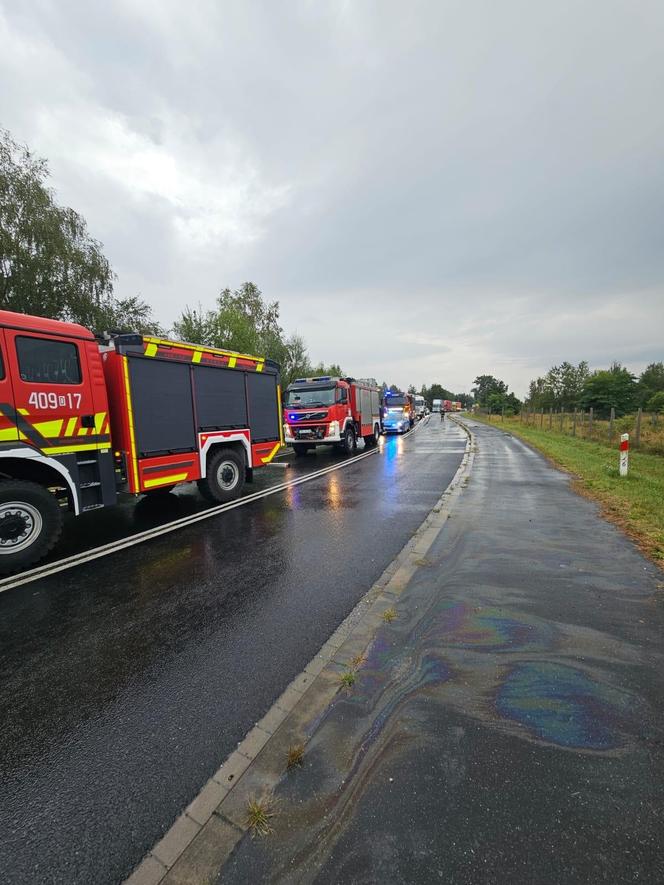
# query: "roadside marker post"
{"type": "Point", "coordinates": [624, 454]}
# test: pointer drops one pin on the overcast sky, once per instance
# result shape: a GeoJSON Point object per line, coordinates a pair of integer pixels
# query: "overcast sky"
{"type": "Point", "coordinates": [432, 190]}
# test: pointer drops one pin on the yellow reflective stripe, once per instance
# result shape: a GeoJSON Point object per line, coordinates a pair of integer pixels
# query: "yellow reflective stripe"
{"type": "Point", "coordinates": [99, 421]}
{"type": "Point", "coordinates": [196, 358]}
{"type": "Point", "coordinates": [151, 349]}
{"type": "Point", "coordinates": [232, 362]}
{"type": "Point", "coordinates": [204, 349]}
{"type": "Point", "coordinates": [8, 433]}
{"type": "Point", "coordinates": [130, 415]}
{"type": "Point", "coordinates": [83, 431]}
{"type": "Point", "coordinates": [164, 480]}
{"type": "Point", "coordinates": [49, 428]}
{"type": "Point", "coordinates": [259, 367]}
{"type": "Point", "coordinates": [281, 415]}
{"type": "Point", "coordinates": [269, 457]}
{"type": "Point", "coordinates": [23, 411]}
{"type": "Point", "coordinates": [54, 450]}
{"type": "Point", "coordinates": [71, 427]}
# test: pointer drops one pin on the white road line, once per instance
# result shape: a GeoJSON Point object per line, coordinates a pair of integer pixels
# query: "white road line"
{"type": "Point", "coordinates": [52, 568]}
{"type": "Point", "coordinates": [45, 571]}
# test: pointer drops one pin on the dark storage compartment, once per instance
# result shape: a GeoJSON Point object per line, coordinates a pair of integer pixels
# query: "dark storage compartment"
{"type": "Point", "coordinates": [162, 406]}
{"type": "Point", "coordinates": [264, 415]}
{"type": "Point", "coordinates": [220, 398]}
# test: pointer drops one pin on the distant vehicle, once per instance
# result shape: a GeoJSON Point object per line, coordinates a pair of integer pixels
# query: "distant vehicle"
{"type": "Point", "coordinates": [331, 411]}
{"type": "Point", "coordinates": [447, 405]}
{"type": "Point", "coordinates": [87, 418]}
{"type": "Point", "coordinates": [436, 406]}
{"type": "Point", "coordinates": [456, 406]}
{"type": "Point", "coordinates": [420, 406]}
{"type": "Point", "coordinates": [398, 413]}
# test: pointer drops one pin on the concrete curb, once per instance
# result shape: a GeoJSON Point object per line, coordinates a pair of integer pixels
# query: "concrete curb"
{"type": "Point", "coordinates": [196, 847]}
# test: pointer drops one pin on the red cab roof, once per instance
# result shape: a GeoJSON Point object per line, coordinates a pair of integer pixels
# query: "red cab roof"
{"type": "Point", "coordinates": [27, 323]}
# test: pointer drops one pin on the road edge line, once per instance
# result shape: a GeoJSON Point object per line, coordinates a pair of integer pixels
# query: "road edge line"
{"type": "Point", "coordinates": [204, 816]}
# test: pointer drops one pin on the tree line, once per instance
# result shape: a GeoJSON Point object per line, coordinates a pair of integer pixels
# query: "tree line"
{"type": "Point", "coordinates": [570, 387]}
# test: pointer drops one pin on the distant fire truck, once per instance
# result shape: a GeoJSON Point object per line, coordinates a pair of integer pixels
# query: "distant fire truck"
{"type": "Point", "coordinates": [83, 419]}
{"type": "Point", "coordinates": [331, 411]}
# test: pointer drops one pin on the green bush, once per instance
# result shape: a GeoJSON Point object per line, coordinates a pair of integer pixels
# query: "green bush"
{"type": "Point", "coordinates": [656, 402]}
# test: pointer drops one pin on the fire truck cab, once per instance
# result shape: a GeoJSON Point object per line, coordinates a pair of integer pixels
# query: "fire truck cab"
{"type": "Point", "coordinates": [331, 411]}
{"type": "Point", "coordinates": [82, 420]}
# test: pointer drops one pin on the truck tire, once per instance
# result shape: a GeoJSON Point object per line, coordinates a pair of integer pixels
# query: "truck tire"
{"type": "Point", "coordinates": [300, 449]}
{"type": "Point", "coordinates": [372, 440]}
{"type": "Point", "coordinates": [349, 444]}
{"type": "Point", "coordinates": [225, 477]}
{"type": "Point", "coordinates": [30, 523]}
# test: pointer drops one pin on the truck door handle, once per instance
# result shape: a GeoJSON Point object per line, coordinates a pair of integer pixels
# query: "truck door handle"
{"type": "Point", "coordinates": [87, 421]}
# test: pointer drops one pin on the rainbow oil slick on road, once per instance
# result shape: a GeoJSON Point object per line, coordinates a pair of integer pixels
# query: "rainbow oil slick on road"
{"type": "Point", "coordinates": [508, 726]}
{"type": "Point", "coordinates": [566, 706]}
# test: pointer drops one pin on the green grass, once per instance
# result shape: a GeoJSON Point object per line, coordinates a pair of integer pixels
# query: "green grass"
{"type": "Point", "coordinates": [634, 502]}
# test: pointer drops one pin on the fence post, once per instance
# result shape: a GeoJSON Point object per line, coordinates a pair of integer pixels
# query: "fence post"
{"type": "Point", "coordinates": [590, 423]}
{"type": "Point", "coordinates": [611, 420]}
{"type": "Point", "coordinates": [637, 433]}
{"type": "Point", "coordinates": [624, 454]}
{"type": "Point", "coordinates": [550, 417]}
{"type": "Point", "coordinates": [502, 413]}
{"type": "Point", "coordinates": [541, 418]}
{"type": "Point", "coordinates": [574, 424]}
{"type": "Point", "coordinates": [562, 419]}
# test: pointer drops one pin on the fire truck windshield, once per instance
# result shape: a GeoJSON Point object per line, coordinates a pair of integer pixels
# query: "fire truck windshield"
{"type": "Point", "coordinates": [394, 401]}
{"type": "Point", "coordinates": [317, 396]}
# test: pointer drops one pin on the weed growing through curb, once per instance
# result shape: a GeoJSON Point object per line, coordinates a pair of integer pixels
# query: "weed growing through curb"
{"type": "Point", "coordinates": [348, 679]}
{"type": "Point", "coordinates": [259, 812]}
{"type": "Point", "coordinates": [295, 756]}
{"type": "Point", "coordinates": [389, 615]}
{"type": "Point", "coordinates": [358, 661]}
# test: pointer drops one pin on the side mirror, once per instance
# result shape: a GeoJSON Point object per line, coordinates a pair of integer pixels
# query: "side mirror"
{"type": "Point", "coordinates": [342, 396]}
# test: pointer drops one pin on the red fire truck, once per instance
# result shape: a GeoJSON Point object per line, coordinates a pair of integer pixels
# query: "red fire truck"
{"type": "Point", "coordinates": [331, 411]}
{"type": "Point", "coordinates": [82, 419]}
{"type": "Point", "coordinates": [447, 405]}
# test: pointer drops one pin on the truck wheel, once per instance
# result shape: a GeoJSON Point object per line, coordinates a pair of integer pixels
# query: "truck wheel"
{"type": "Point", "coordinates": [225, 477]}
{"type": "Point", "coordinates": [30, 523]}
{"type": "Point", "coordinates": [300, 450]}
{"type": "Point", "coordinates": [349, 443]}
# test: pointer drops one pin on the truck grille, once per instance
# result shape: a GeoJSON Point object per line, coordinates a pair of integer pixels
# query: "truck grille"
{"type": "Point", "coordinates": [294, 417]}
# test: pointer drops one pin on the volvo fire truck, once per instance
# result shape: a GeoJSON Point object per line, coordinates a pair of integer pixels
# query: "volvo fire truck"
{"type": "Point", "coordinates": [83, 419]}
{"type": "Point", "coordinates": [331, 411]}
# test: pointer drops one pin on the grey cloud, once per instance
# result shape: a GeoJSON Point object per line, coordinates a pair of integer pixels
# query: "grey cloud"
{"type": "Point", "coordinates": [487, 173]}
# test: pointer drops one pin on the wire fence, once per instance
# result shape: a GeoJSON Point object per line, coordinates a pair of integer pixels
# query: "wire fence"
{"type": "Point", "coordinates": [646, 430]}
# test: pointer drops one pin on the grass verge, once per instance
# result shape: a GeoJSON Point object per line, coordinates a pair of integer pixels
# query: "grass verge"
{"type": "Point", "coordinates": [635, 503]}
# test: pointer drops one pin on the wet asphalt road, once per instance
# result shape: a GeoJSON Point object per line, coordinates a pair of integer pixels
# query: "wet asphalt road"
{"type": "Point", "coordinates": [126, 681]}
{"type": "Point", "coordinates": [508, 726]}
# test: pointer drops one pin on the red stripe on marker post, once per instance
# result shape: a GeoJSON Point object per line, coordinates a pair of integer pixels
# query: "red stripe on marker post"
{"type": "Point", "coordinates": [624, 454]}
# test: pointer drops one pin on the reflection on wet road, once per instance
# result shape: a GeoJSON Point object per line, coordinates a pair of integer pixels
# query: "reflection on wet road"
{"type": "Point", "coordinates": [126, 681]}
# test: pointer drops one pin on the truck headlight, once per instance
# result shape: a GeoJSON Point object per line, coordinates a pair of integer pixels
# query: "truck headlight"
{"type": "Point", "coordinates": [333, 429]}
{"type": "Point", "coordinates": [287, 430]}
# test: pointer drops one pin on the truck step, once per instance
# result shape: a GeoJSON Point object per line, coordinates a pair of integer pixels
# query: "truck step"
{"type": "Point", "coordinates": [89, 485]}
{"type": "Point", "coordinates": [91, 507]}
{"type": "Point", "coordinates": [89, 461]}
